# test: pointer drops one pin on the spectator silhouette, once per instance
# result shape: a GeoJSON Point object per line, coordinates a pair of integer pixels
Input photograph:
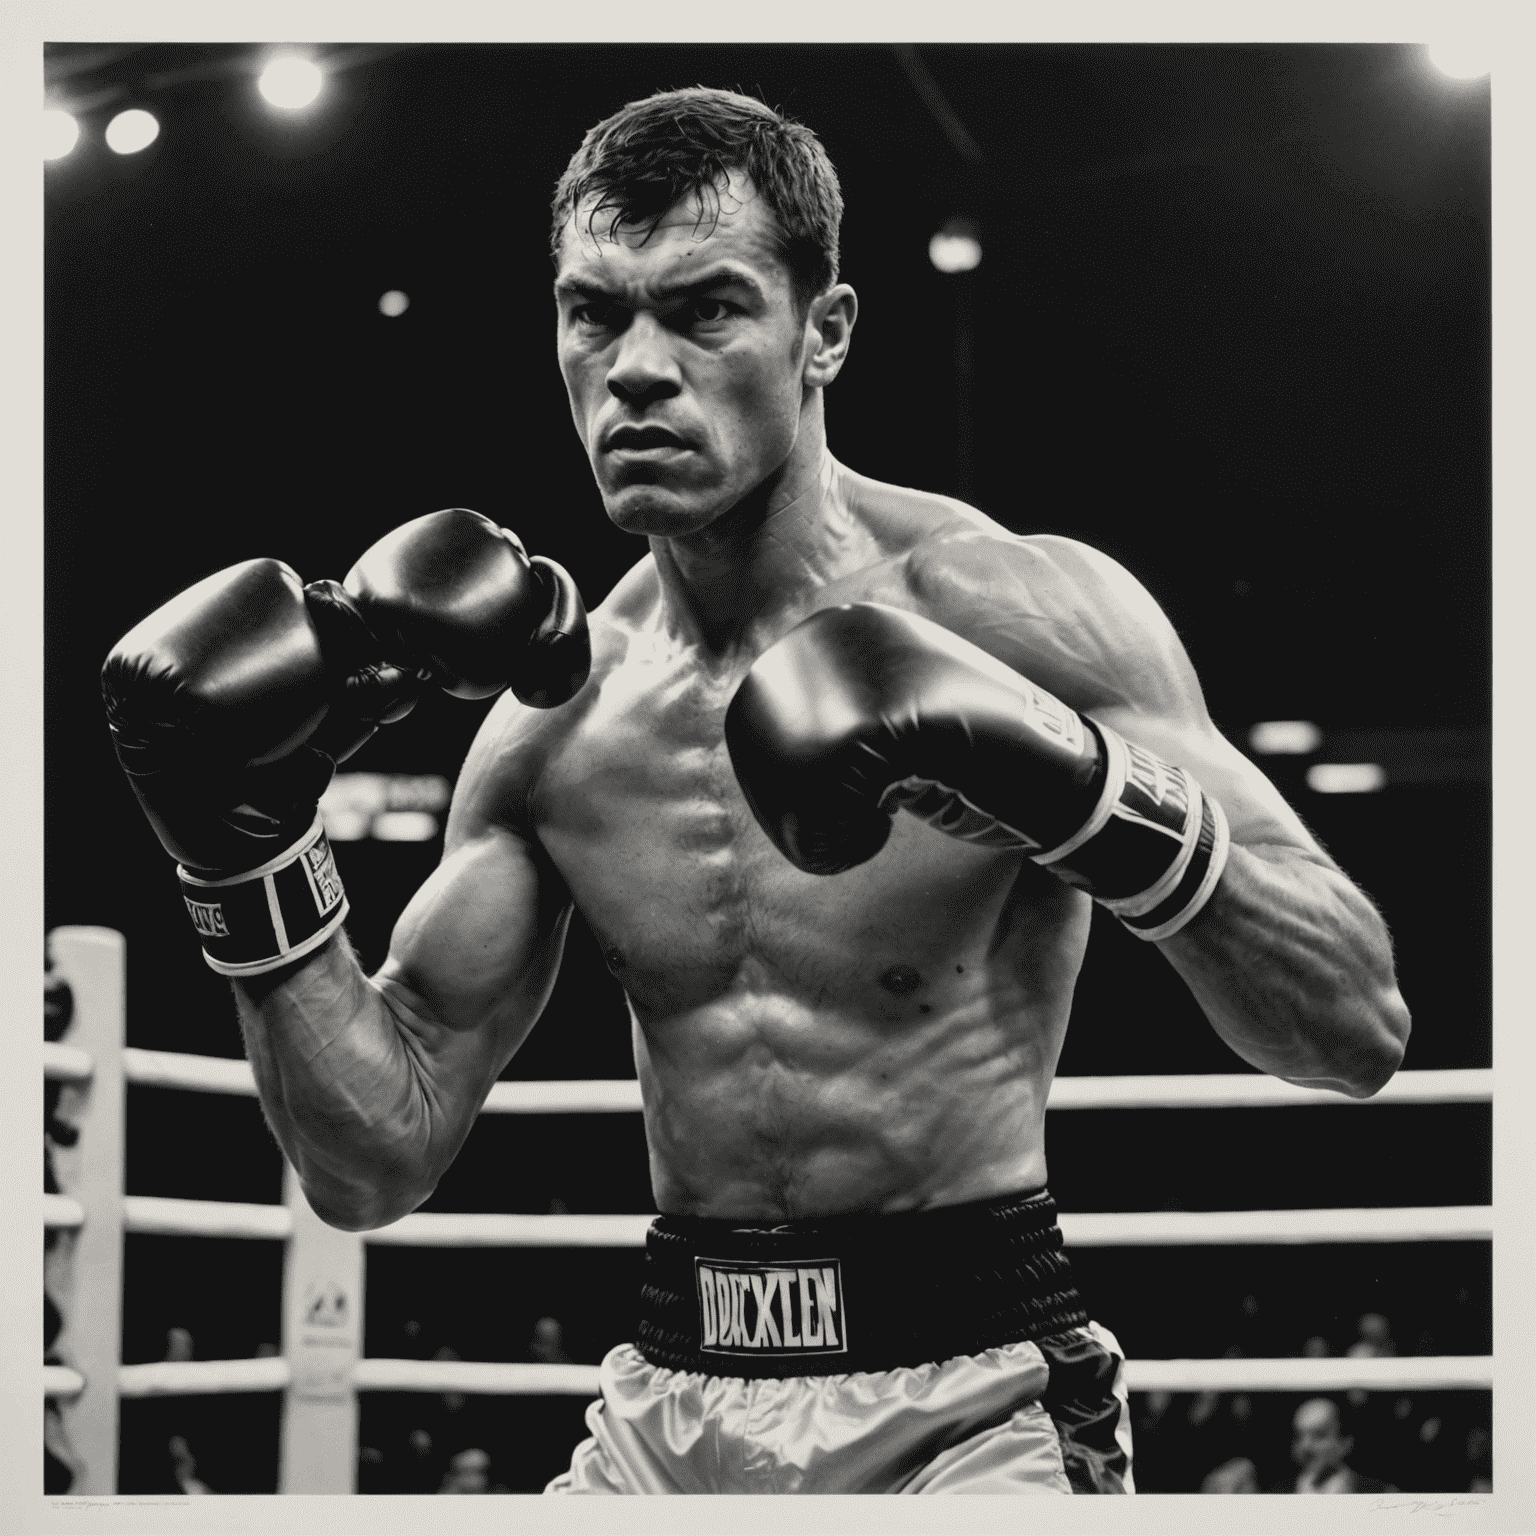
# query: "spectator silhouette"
{"type": "Point", "coordinates": [1320, 1449]}
{"type": "Point", "coordinates": [468, 1472]}
{"type": "Point", "coordinates": [548, 1342]}
{"type": "Point", "coordinates": [1239, 1475]}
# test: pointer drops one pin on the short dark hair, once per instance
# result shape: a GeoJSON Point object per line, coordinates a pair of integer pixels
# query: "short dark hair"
{"type": "Point", "coordinates": [656, 151]}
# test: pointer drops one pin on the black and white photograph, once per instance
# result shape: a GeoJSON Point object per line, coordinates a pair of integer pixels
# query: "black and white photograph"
{"type": "Point", "coordinates": [767, 769]}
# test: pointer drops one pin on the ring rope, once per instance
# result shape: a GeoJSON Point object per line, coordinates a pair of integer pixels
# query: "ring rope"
{"type": "Point", "coordinates": [1081, 1229]}
{"type": "Point", "coordinates": [60, 1381]}
{"type": "Point", "coordinates": [192, 1378]}
{"type": "Point", "coordinates": [66, 1063]}
{"type": "Point", "coordinates": [1220, 1090]}
{"type": "Point", "coordinates": [62, 1213]}
{"type": "Point", "coordinates": [1419, 1373]}
{"type": "Point", "coordinates": [163, 1217]}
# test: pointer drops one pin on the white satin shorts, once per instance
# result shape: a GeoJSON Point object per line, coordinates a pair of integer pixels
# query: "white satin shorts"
{"type": "Point", "coordinates": [1043, 1416]}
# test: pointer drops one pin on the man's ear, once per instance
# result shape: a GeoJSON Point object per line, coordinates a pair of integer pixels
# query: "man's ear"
{"type": "Point", "coordinates": [828, 331]}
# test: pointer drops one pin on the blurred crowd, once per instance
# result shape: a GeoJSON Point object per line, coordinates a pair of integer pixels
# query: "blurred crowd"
{"type": "Point", "coordinates": [416, 1442]}
{"type": "Point", "coordinates": [1354, 1442]}
{"type": "Point", "coordinates": [448, 1442]}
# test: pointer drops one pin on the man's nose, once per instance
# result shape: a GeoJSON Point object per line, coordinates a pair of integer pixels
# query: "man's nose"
{"type": "Point", "coordinates": [644, 368]}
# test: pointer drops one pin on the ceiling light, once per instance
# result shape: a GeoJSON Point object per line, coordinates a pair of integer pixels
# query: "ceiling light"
{"type": "Point", "coordinates": [60, 133]}
{"type": "Point", "coordinates": [290, 81]}
{"type": "Point", "coordinates": [131, 131]}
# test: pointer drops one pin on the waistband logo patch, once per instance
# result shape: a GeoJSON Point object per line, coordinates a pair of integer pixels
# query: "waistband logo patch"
{"type": "Point", "coordinates": [771, 1309]}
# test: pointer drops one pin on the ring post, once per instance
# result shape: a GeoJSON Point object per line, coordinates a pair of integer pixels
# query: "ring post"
{"type": "Point", "coordinates": [322, 1340]}
{"type": "Point", "coordinates": [92, 961]}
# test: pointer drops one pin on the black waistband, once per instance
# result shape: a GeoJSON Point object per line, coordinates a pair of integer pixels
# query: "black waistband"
{"type": "Point", "coordinates": [854, 1293]}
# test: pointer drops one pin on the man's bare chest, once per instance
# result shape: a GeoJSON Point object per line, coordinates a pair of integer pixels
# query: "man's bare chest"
{"type": "Point", "coordinates": [641, 813]}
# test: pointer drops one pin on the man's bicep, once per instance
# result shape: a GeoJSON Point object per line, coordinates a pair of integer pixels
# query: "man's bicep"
{"type": "Point", "coordinates": [476, 950]}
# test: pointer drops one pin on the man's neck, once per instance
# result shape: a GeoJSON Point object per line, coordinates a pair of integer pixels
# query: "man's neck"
{"type": "Point", "coordinates": [729, 582]}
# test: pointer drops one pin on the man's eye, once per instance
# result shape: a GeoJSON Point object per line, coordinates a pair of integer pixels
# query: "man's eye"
{"type": "Point", "coordinates": [710, 310]}
{"type": "Point", "coordinates": [601, 315]}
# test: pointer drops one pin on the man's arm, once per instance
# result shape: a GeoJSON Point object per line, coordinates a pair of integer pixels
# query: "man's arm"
{"type": "Point", "coordinates": [371, 1084]}
{"type": "Point", "coordinates": [229, 707]}
{"type": "Point", "coordinates": [1290, 961]}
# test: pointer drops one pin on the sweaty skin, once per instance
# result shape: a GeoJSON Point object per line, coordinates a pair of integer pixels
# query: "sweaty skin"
{"type": "Point", "coordinates": [879, 1040]}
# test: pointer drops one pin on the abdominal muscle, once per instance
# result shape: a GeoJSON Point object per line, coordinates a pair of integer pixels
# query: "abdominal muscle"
{"type": "Point", "coordinates": [764, 1123]}
{"type": "Point", "coordinates": [827, 1076]}
{"type": "Point", "coordinates": [875, 1041]}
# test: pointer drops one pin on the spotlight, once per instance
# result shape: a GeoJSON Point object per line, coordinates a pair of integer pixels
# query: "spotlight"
{"type": "Point", "coordinates": [405, 827]}
{"type": "Point", "coordinates": [1346, 778]}
{"type": "Point", "coordinates": [394, 303]}
{"type": "Point", "coordinates": [60, 133]}
{"type": "Point", "coordinates": [1285, 736]}
{"type": "Point", "coordinates": [131, 131]}
{"type": "Point", "coordinates": [290, 81]}
{"type": "Point", "coordinates": [1462, 58]}
{"type": "Point", "coordinates": [956, 247]}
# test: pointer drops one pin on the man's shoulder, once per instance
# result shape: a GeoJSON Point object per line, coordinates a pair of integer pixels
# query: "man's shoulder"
{"type": "Point", "coordinates": [949, 549]}
{"type": "Point", "coordinates": [1052, 607]}
{"type": "Point", "coordinates": [988, 581]}
{"type": "Point", "coordinates": [961, 565]}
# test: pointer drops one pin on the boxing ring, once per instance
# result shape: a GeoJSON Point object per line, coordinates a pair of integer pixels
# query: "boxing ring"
{"type": "Point", "coordinates": [322, 1369]}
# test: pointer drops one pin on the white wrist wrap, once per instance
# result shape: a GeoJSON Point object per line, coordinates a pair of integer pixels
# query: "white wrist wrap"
{"type": "Point", "coordinates": [263, 918]}
{"type": "Point", "coordinates": [1154, 847]}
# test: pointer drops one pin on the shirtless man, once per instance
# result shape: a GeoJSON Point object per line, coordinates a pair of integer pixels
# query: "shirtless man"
{"type": "Point", "coordinates": [844, 1048]}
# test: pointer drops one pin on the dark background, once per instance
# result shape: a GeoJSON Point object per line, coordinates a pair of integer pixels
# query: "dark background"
{"type": "Point", "coordinates": [1231, 326]}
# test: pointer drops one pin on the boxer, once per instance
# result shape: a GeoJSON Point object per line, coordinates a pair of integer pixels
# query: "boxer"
{"type": "Point", "coordinates": [849, 768]}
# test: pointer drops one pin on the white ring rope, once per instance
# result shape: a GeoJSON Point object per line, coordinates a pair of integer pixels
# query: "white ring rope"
{"type": "Point", "coordinates": [511, 1378]}
{"type": "Point", "coordinates": [192, 1378]}
{"type": "Point", "coordinates": [1420, 1373]}
{"type": "Point", "coordinates": [1245, 1090]}
{"type": "Point", "coordinates": [1081, 1229]}
{"type": "Point", "coordinates": [1414, 1373]}
{"type": "Point", "coordinates": [66, 1063]}
{"type": "Point", "coordinates": [1334, 1224]}
{"type": "Point", "coordinates": [204, 1218]}
{"type": "Point", "coordinates": [60, 1381]}
{"type": "Point", "coordinates": [176, 1069]}
{"type": "Point", "coordinates": [1220, 1090]}
{"type": "Point", "coordinates": [433, 1229]}
{"type": "Point", "coordinates": [62, 1211]}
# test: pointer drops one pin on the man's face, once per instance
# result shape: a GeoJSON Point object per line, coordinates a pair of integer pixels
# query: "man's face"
{"type": "Point", "coordinates": [1316, 1442]}
{"type": "Point", "coordinates": [683, 356]}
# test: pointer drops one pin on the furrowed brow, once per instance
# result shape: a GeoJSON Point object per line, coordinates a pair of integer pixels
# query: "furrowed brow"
{"type": "Point", "coordinates": [573, 288]}
{"type": "Point", "coordinates": [698, 287]}
{"type": "Point", "coordinates": [725, 277]}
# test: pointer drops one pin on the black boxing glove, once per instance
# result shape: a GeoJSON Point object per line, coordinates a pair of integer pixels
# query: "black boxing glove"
{"type": "Point", "coordinates": [455, 598]}
{"type": "Point", "coordinates": [212, 701]}
{"type": "Point", "coordinates": [231, 704]}
{"type": "Point", "coordinates": [865, 710]}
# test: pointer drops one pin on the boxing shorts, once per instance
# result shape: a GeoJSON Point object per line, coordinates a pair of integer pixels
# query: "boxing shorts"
{"type": "Point", "coordinates": [937, 1351]}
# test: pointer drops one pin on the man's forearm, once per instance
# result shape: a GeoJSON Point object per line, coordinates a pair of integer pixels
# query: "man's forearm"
{"type": "Point", "coordinates": [1293, 967]}
{"type": "Point", "coordinates": [339, 1087]}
